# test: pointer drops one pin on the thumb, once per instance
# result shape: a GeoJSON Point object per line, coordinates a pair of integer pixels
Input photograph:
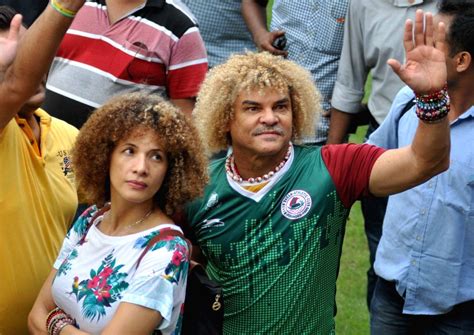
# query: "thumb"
{"type": "Point", "coordinates": [277, 33]}
{"type": "Point", "coordinates": [15, 25]}
{"type": "Point", "coordinates": [395, 65]}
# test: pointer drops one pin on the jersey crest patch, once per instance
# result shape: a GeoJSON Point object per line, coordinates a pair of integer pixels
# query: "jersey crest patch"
{"type": "Point", "coordinates": [296, 204]}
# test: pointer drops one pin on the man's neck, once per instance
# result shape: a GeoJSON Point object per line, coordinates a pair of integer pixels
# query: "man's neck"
{"type": "Point", "coordinates": [117, 9]}
{"type": "Point", "coordinates": [461, 97]}
{"type": "Point", "coordinates": [28, 113]}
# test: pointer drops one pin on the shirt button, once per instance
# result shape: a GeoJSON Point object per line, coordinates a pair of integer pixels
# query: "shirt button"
{"type": "Point", "coordinates": [423, 211]}
{"type": "Point", "coordinates": [413, 262]}
{"type": "Point", "coordinates": [418, 238]}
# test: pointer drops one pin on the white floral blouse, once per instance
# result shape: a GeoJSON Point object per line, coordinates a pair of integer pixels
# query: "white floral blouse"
{"type": "Point", "coordinates": [96, 273]}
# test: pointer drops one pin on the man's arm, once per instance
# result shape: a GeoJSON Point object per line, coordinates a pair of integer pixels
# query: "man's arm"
{"type": "Point", "coordinates": [340, 124]}
{"type": "Point", "coordinates": [255, 16]}
{"type": "Point", "coordinates": [425, 72]}
{"type": "Point", "coordinates": [351, 76]}
{"type": "Point", "coordinates": [33, 58]}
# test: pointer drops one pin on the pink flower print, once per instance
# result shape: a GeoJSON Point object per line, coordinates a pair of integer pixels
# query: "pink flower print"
{"type": "Point", "coordinates": [177, 257]}
{"type": "Point", "coordinates": [106, 272]}
{"type": "Point", "coordinates": [93, 283]}
{"type": "Point", "coordinates": [103, 291]}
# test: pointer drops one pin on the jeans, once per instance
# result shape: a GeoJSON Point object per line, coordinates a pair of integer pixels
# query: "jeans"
{"type": "Point", "coordinates": [373, 210]}
{"type": "Point", "coordinates": [386, 317]}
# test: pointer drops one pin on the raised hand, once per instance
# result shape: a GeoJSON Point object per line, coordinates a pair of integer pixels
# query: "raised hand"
{"type": "Point", "coordinates": [425, 67]}
{"type": "Point", "coordinates": [9, 44]}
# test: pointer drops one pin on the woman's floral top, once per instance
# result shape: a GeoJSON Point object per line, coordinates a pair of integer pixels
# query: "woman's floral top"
{"type": "Point", "coordinates": [95, 274]}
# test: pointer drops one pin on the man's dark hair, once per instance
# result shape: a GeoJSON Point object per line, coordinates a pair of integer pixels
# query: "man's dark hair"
{"type": "Point", "coordinates": [6, 16]}
{"type": "Point", "coordinates": [461, 30]}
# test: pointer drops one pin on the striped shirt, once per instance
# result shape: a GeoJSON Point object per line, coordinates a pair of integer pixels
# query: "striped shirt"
{"type": "Point", "coordinates": [157, 47]}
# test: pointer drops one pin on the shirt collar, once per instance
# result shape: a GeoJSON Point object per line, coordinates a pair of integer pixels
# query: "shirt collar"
{"type": "Point", "coordinates": [468, 113]}
{"type": "Point", "coordinates": [149, 3]}
{"type": "Point", "coordinates": [155, 3]}
{"type": "Point", "coordinates": [405, 3]}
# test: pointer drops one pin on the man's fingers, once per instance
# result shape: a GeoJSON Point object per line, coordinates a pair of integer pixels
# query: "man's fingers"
{"type": "Point", "coordinates": [277, 33]}
{"type": "Point", "coordinates": [429, 29]}
{"type": "Point", "coordinates": [408, 36]}
{"type": "Point", "coordinates": [440, 42]}
{"type": "Point", "coordinates": [15, 25]}
{"type": "Point", "coordinates": [419, 36]}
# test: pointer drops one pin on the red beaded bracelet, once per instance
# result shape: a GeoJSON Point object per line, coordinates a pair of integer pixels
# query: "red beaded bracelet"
{"type": "Point", "coordinates": [433, 107]}
{"type": "Point", "coordinates": [56, 320]}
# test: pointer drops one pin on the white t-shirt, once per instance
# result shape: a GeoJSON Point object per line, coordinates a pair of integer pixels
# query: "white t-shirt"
{"type": "Point", "coordinates": [96, 273]}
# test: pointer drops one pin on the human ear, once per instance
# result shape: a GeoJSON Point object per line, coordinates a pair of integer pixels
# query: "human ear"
{"type": "Point", "coordinates": [463, 61]}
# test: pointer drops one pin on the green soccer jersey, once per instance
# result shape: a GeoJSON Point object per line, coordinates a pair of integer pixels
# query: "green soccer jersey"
{"type": "Point", "coordinates": [275, 252]}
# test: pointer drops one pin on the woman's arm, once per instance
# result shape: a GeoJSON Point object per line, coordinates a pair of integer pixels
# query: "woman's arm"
{"type": "Point", "coordinates": [129, 318]}
{"type": "Point", "coordinates": [43, 305]}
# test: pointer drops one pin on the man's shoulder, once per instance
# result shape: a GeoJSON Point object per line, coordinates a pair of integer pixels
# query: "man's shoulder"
{"type": "Point", "coordinates": [172, 15]}
{"type": "Point", "coordinates": [62, 129]}
{"type": "Point", "coordinates": [9, 129]}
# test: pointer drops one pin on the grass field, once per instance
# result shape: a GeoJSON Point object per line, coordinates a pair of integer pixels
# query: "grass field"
{"type": "Point", "coordinates": [352, 315]}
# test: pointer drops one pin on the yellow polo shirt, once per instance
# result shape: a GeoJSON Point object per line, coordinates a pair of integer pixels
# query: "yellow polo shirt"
{"type": "Point", "coordinates": [37, 203]}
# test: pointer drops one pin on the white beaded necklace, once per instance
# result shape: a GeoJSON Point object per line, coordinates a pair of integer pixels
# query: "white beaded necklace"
{"type": "Point", "coordinates": [232, 172]}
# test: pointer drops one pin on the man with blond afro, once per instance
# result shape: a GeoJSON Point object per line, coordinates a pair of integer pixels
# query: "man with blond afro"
{"type": "Point", "coordinates": [272, 219]}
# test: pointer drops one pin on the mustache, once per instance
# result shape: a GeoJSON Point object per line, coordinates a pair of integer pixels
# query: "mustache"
{"type": "Point", "coordinates": [275, 129]}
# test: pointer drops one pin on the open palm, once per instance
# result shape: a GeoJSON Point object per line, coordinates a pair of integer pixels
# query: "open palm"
{"type": "Point", "coordinates": [425, 67]}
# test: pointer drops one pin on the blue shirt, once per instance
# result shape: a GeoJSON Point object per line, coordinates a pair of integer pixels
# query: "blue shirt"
{"type": "Point", "coordinates": [427, 245]}
{"type": "Point", "coordinates": [314, 30]}
{"type": "Point", "coordinates": [222, 28]}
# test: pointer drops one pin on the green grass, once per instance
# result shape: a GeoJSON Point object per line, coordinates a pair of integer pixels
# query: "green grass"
{"type": "Point", "coordinates": [352, 314]}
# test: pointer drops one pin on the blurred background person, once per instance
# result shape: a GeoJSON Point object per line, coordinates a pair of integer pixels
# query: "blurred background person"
{"type": "Point", "coordinates": [37, 190]}
{"type": "Point", "coordinates": [119, 46]}
{"type": "Point", "coordinates": [222, 27]}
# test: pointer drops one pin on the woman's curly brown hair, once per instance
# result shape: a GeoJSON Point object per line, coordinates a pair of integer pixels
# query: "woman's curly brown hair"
{"type": "Point", "coordinates": [214, 110]}
{"type": "Point", "coordinates": [186, 176]}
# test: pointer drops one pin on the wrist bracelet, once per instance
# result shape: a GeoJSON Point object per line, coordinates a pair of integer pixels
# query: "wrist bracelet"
{"type": "Point", "coordinates": [433, 107]}
{"type": "Point", "coordinates": [63, 11]}
{"type": "Point", "coordinates": [56, 320]}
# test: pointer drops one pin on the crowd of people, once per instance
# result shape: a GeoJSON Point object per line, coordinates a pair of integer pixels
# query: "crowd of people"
{"type": "Point", "coordinates": [123, 120]}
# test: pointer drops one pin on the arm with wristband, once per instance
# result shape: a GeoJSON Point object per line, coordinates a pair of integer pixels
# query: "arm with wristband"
{"type": "Point", "coordinates": [25, 69]}
{"type": "Point", "coordinates": [426, 74]}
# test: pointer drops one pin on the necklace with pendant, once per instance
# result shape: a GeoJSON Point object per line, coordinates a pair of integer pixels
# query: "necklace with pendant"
{"type": "Point", "coordinates": [136, 223]}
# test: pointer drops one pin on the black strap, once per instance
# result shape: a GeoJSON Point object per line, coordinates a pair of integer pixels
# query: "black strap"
{"type": "Point", "coordinates": [407, 107]}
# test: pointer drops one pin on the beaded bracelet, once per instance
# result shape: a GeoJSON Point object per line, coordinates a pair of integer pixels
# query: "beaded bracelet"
{"type": "Point", "coordinates": [433, 107]}
{"type": "Point", "coordinates": [63, 11]}
{"type": "Point", "coordinates": [56, 320]}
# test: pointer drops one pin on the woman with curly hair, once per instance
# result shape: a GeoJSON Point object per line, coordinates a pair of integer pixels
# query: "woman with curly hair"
{"type": "Point", "coordinates": [138, 159]}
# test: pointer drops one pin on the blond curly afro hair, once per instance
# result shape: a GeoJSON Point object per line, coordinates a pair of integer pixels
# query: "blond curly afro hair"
{"type": "Point", "coordinates": [214, 110]}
